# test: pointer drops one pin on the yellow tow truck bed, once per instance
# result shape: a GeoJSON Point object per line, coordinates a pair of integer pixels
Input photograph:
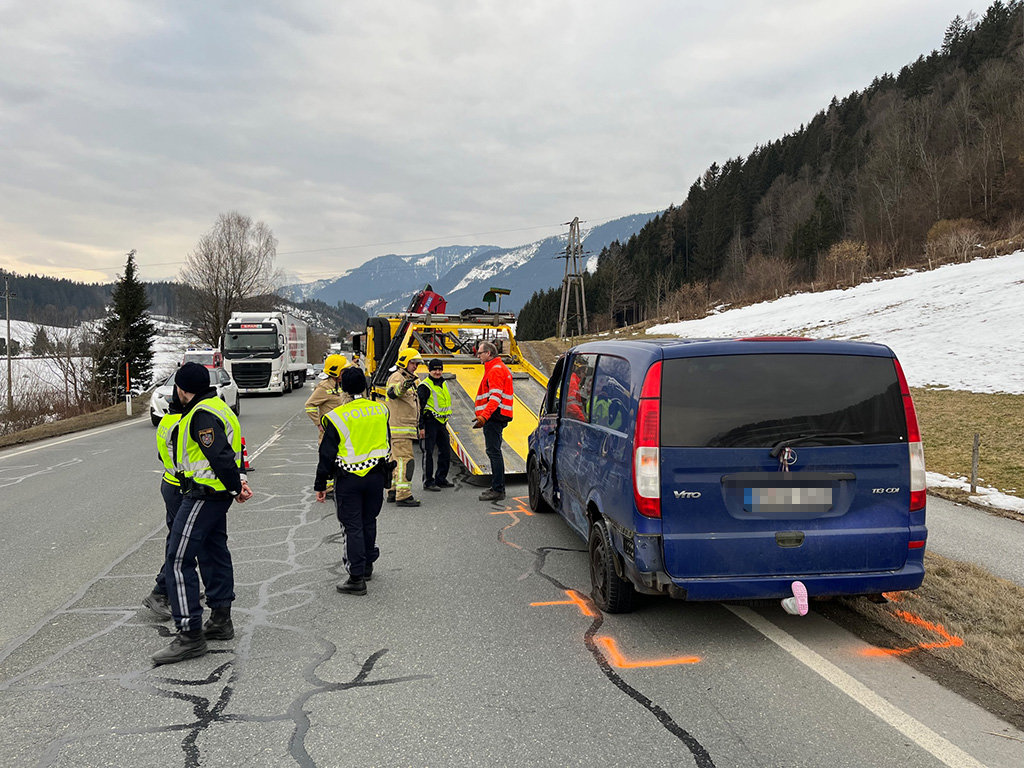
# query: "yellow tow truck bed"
{"type": "Point", "coordinates": [452, 340]}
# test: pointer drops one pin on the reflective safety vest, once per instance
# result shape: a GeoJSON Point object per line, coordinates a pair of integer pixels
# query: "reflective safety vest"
{"type": "Point", "coordinates": [440, 402]}
{"type": "Point", "coordinates": [495, 392]}
{"type": "Point", "coordinates": [192, 463]}
{"type": "Point", "coordinates": [164, 440]}
{"type": "Point", "coordinates": [362, 427]}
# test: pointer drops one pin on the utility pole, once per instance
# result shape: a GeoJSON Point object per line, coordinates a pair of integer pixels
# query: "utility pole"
{"type": "Point", "coordinates": [572, 285]}
{"type": "Point", "coordinates": [7, 309]}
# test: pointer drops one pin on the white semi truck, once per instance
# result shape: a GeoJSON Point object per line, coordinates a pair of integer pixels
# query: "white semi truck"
{"type": "Point", "coordinates": [265, 351]}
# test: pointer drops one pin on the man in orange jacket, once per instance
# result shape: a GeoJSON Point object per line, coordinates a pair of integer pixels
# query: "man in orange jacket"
{"type": "Point", "coordinates": [493, 411]}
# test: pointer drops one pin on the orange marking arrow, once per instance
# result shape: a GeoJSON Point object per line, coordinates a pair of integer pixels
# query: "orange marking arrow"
{"type": "Point", "coordinates": [618, 660]}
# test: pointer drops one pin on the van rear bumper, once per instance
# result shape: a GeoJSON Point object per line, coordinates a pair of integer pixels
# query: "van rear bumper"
{"type": "Point", "coordinates": [818, 585]}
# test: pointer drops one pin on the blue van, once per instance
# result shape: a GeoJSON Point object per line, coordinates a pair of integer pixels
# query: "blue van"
{"type": "Point", "coordinates": [727, 469]}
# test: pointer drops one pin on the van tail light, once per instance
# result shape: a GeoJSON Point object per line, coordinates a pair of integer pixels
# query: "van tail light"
{"type": "Point", "coordinates": [918, 484]}
{"type": "Point", "coordinates": [647, 446]}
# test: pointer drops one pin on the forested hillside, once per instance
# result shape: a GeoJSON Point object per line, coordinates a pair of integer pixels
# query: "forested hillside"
{"type": "Point", "coordinates": [61, 302]}
{"type": "Point", "coordinates": [919, 167]}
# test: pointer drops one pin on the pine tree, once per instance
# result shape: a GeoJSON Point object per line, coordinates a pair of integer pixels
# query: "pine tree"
{"type": "Point", "coordinates": [126, 336]}
{"type": "Point", "coordinates": [41, 342]}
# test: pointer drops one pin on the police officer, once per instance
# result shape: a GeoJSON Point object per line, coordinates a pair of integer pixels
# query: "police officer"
{"type": "Point", "coordinates": [404, 410]}
{"type": "Point", "coordinates": [435, 410]}
{"type": "Point", "coordinates": [326, 396]}
{"type": "Point", "coordinates": [209, 456]}
{"type": "Point", "coordinates": [170, 490]}
{"type": "Point", "coordinates": [356, 450]}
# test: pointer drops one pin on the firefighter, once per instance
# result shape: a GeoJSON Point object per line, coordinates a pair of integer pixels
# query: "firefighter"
{"type": "Point", "coordinates": [326, 396]}
{"type": "Point", "coordinates": [209, 458]}
{"type": "Point", "coordinates": [493, 412]}
{"type": "Point", "coordinates": [435, 410]}
{"type": "Point", "coordinates": [355, 449]}
{"type": "Point", "coordinates": [404, 409]}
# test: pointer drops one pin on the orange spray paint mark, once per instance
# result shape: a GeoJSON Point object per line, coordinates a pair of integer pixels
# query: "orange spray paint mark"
{"type": "Point", "coordinates": [574, 599]}
{"type": "Point", "coordinates": [948, 640]}
{"type": "Point", "coordinates": [616, 658]}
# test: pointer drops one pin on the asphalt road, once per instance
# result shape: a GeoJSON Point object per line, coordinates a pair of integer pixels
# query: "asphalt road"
{"type": "Point", "coordinates": [474, 646]}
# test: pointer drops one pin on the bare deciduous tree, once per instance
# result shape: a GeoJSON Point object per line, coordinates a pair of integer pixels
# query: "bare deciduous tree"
{"type": "Point", "coordinates": [230, 264]}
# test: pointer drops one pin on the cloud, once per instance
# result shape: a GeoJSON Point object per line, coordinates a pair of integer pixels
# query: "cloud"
{"type": "Point", "coordinates": [133, 125]}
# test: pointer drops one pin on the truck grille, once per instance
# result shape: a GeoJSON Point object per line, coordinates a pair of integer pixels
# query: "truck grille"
{"type": "Point", "coordinates": [251, 375]}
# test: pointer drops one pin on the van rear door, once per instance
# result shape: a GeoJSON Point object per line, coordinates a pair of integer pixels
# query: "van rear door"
{"type": "Point", "coordinates": [779, 464]}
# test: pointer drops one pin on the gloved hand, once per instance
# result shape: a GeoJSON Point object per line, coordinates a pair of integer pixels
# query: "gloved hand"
{"type": "Point", "coordinates": [478, 423]}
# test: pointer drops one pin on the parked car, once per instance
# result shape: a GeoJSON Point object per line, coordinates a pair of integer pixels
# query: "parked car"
{"type": "Point", "coordinates": [211, 358]}
{"type": "Point", "coordinates": [219, 378]}
{"type": "Point", "coordinates": [729, 469]}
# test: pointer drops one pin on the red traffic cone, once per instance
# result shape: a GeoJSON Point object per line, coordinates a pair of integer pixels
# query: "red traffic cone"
{"type": "Point", "coordinates": [245, 458]}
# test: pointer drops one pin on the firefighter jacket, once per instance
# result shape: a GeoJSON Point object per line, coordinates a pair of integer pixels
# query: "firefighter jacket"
{"type": "Point", "coordinates": [325, 397]}
{"type": "Point", "coordinates": [435, 399]}
{"type": "Point", "coordinates": [166, 445]}
{"type": "Point", "coordinates": [495, 393]}
{"type": "Point", "coordinates": [403, 405]}
{"type": "Point", "coordinates": [209, 454]}
{"type": "Point", "coordinates": [355, 440]}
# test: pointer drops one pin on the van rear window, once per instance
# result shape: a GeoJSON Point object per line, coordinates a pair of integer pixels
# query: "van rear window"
{"type": "Point", "coordinates": [759, 400]}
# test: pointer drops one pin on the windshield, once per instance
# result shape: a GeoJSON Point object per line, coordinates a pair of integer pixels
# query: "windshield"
{"type": "Point", "coordinates": [250, 341]}
{"type": "Point", "coordinates": [760, 400]}
{"type": "Point", "coordinates": [205, 358]}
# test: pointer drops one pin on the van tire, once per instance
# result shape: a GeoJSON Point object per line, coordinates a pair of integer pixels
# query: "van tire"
{"type": "Point", "coordinates": [537, 503]}
{"type": "Point", "coordinates": [609, 592]}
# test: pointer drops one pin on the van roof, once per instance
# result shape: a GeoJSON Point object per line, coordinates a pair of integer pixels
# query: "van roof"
{"type": "Point", "coordinates": [669, 348]}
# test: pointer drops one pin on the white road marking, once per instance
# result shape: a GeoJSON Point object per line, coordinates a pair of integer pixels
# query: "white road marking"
{"type": "Point", "coordinates": [87, 433]}
{"type": "Point", "coordinates": [944, 750]}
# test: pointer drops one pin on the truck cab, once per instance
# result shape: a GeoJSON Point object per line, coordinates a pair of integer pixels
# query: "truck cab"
{"type": "Point", "coordinates": [265, 351]}
{"type": "Point", "coordinates": [728, 469]}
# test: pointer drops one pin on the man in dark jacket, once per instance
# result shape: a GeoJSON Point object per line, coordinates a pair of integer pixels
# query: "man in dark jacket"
{"type": "Point", "coordinates": [361, 464]}
{"type": "Point", "coordinates": [209, 458]}
{"type": "Point", "coordinates": [435, 410]}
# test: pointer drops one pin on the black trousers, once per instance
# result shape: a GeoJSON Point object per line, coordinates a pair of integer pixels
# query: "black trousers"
{"type": "Point", "coordinates": [435, 436]}
{"type": "Point", "coordinates": [199, 531]}
{"type": "Point", "coordinates": [493, 429]}
{"type": "Point", "coordinates": [359, 500]}
{"type": "Point", "coordinates": [172, 501]}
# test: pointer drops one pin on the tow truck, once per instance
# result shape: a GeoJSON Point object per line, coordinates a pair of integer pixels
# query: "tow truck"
{"type": "Point", "coordinates": [452, 339]}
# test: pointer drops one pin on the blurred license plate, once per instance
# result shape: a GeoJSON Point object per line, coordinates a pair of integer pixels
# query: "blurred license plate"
{"type": "Point", "coordinates": [773, 500]}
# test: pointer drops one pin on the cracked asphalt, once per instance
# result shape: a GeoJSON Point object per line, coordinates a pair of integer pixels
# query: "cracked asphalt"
{"type": "Point", "coordinates": [475, 645]}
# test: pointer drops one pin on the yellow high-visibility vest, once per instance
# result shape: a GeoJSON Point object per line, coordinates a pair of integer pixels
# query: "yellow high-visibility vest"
{"type": "Point", "coordinates": [164, 434]}
{"type": "Point", "coordinates": [191, 460]}
{"type": "Point", "coordinates": [362, 427]}
{"type": "Point", "coordinates": [440, 402]}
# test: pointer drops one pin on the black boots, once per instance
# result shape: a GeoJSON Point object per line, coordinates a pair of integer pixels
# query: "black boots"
{"type": "Point", "coordinates": [219, 626]}
{"type": "Point", "coordinates": [352, 586]}
{"type": "Point", "coordinates": [157, 603]}
{"type": "Point", "coordinates": [185, 645]}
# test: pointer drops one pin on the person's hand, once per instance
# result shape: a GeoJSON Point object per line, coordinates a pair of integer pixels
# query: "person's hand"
{"type": "Point", "coordinates": [245, 494]}
{"type": "Point", "coordinates": [423, 433]}
{"type": "Point", "coordinates": [478, 423]}
{"type": "Point", "coordinates": [321, 496]}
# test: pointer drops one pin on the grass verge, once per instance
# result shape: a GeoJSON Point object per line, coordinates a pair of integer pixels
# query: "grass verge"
{"type": "Point", "coordinates": [950, 418]}
{"type": "Point", "coordinates": [963, 626]}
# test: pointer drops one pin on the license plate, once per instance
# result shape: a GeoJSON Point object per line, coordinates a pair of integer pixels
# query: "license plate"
{"type": "Point", "coordinates": [774, 500]}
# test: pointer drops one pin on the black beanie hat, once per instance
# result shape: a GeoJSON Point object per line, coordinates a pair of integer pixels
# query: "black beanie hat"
{"type": "Point", "coordinates": [193, 378]}
{"type": "Point", "coordinates": [353, 381]}
{"type": "Point", "coordinates": [435, 365]}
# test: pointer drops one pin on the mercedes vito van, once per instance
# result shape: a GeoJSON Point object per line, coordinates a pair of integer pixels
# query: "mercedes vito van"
{"type": "Point", "coordinates": [728, 469]}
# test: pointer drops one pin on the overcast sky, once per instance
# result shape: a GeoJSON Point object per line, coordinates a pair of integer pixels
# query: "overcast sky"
{"type": "Point", "coordinates": [355, 128]}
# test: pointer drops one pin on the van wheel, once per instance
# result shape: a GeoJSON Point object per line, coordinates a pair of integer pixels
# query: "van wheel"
{"type": "Point", "coordinates": [612, 594]}
{"type": "Point", "coordinates": [537, 503]}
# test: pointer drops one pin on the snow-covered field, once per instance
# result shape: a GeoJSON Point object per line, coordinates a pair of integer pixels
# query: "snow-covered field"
{"type": "Point", "coordinates": [31, 373]}
{"type": "Point", "coordinates": [959, 326]}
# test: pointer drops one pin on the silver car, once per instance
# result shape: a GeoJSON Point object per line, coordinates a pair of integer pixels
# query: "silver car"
{"type": "Point", "coordinates": [227, 391]}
